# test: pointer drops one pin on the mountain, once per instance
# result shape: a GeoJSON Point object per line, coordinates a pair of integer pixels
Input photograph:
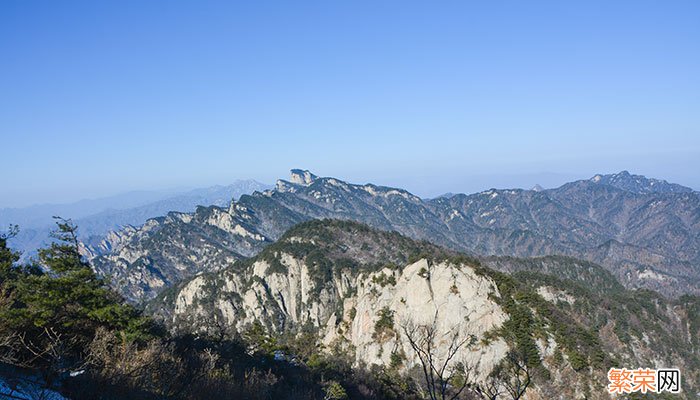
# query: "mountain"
{"type": "Point", "coordinates": [645, 239]}
{"type": "Point", "coordinates": [639, 184]}
{"type": "Point", "coordinates": [96, 226]}
{"type": "Point", "coordinates": [366, 294]}
{"type": "Point", "coordinates": [98, 217]}
{"type": "Point", "coordinates": [37, 215]}
{"type": "Point", "coordinates": [445, 195]}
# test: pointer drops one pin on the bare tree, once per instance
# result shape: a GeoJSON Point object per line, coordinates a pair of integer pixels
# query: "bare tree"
{"type": "Point", "coordinates": [445, 377]}
{"type": "Point", "coordinates": [518, 373]}
{"type": "Point", "coordinates": [47, 348]}
{"type": "Point", "coordinates": [511, 378]}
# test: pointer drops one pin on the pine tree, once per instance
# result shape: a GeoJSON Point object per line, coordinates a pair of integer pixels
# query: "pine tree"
{"type": "Point", "coordinates": [52, 309]}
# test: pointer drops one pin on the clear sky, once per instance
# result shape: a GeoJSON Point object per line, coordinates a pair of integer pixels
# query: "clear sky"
{"type": "Point", "coordinates": [101, 97]}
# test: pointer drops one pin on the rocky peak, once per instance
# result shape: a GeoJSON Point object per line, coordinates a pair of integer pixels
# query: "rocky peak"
{"type": "Point", "coordinates": [638, 183]}
{"type": "Point", "coordinates": [302, 177]}
{"type": "Point", "coordinates": [356, 286]}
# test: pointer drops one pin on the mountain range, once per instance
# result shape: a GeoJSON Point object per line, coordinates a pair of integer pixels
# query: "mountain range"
{"type": "Point", "coordinates": [645, 232]}
{"type": "Point", "coordinates": [510, 290]}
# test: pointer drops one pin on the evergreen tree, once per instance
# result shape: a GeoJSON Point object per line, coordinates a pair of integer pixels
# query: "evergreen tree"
{"type": "Point", "coordinates": [52, 309]}
{"type": "Point", "coordinates": [8, 258]}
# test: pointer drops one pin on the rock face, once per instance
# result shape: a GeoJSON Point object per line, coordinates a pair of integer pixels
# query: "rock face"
{"type": "Point", "coordinates": [168, 249]}
{"type": "Point", "coordinates": [290, 299]}
{"type": "Point", "coordinates": [301, 177]}
{"type": "Point", "coordinates": [645, 231]}
{"type": "Point", "coordinates": [362, 290]}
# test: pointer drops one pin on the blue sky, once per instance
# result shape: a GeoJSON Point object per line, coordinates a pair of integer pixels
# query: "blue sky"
{"type": "Point", "coordinates": [98, 98]}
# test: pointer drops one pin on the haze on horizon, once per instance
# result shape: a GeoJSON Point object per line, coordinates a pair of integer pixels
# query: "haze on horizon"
{"type": "Point", "coordinates": [99, 99]}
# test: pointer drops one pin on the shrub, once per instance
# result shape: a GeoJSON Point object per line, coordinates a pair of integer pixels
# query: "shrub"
{"type": "Point", "coordinates": [384, 325]}
{"type": "Point", "coordinates": [335, 391]}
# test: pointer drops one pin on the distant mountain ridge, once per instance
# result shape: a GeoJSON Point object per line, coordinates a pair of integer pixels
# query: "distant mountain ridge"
{"type": "Point", "coordinates": [639, 183]}
{"type": "Point", "coordinates": [36, 215]}
{"type": "Point", "coordinates": [647, 235]}
{"type": "Point", "coordinates": [96, 218]}
{"type": "Point", "coordinates": [100, 224]}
